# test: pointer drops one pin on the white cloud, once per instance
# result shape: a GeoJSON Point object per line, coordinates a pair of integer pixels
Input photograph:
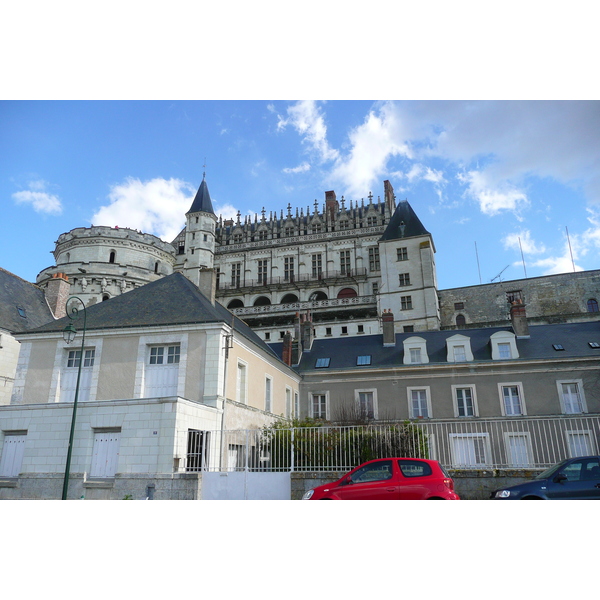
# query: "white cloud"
{"type": "Point", "coordinates": [157, 206]}
{"type": "Point", "coordinates": [373, 143]}
{"type": "Point", "coordinates": [227, 211]}
{"type": "Point", "coordinates": [299, 169]}
{"type": "Point", "coordinates": [523, 241]}
{"type": "Point", "coordinates": [39, 198]}
{"type": "Point", "coordinates": [306, 117]}
{"type": "Point", "coordinates": [493, 197]}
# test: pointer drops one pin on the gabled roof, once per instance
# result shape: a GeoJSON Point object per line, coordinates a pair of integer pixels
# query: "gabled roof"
{"type": "Point", "coordinates": [575, 338]}
{"type": "Point", "coordinates": [202, 201]}
{"type": "Point", "coordinates": [403, 224]}
{"type": "Point", "coordinates": [15, 294]}
{"type": "Point", "coordinates": [170, 301]}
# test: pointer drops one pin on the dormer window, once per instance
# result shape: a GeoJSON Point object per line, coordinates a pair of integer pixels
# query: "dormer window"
{"type": "Point", "coordinates": [322, 363]}
{"type": "Point", "coordinates": [415, 351]}
{"type": "Point", "coordinates": [459, 349]}
{"type": "Point", "coordinates": [504, 346]}
{"type": "Point", "coordinates": [363, 360]}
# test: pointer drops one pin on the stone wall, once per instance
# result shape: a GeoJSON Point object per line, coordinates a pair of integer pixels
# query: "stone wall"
{"type": "Point", "coordinates": [557, 298]}
{"type": "Point", "coordinates": [142, 486]}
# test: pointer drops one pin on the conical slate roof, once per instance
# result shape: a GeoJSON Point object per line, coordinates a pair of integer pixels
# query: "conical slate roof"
{"type": "Point", "coordinates": [403, 224]}
{"type": "Point", "coordinates": [202, 201]}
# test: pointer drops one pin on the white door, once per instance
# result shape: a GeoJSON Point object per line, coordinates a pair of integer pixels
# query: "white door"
{"type": "Point", "coordinates": [12, 455]}
{"type": "Point", "coordinates": [105, 454]}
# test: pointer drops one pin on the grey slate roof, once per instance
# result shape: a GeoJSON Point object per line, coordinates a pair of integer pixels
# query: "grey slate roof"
{"type": "Point", "coordinates": [404, 223]}
{"type": "Point", "coordinates": [343, 352]}
{"type": "Point", "coordinates": [16, 293]}
{"type": "Point", "coordinates": [202, 201]}
{"type": "Point", "coordinates": [172, 300]}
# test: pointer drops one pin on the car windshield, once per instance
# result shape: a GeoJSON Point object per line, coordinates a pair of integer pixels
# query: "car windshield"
{"type": "Point", "coordinates": [549, 472]}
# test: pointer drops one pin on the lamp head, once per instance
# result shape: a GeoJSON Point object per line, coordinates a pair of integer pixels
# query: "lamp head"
{"type": "Point", "coordinates": [69, 333]}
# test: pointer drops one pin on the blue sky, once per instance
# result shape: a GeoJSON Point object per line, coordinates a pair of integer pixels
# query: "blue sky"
{"type": "Point", "coordinates": [489, 179]}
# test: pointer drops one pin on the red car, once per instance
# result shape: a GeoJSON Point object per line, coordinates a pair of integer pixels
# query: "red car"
{"type": "Point", "coordinates": [390, 479]}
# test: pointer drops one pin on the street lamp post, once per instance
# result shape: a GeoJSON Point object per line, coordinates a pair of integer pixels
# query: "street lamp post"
{"type": "Point", "coordinates": [69, 333]}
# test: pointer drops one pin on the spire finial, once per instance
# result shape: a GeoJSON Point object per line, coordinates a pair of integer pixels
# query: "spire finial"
{"type": "Point", "coordinates": [204, 167]}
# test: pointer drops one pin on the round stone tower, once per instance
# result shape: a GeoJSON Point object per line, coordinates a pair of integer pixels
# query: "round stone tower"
{"type": "Point", "coordinates": [102, 262]}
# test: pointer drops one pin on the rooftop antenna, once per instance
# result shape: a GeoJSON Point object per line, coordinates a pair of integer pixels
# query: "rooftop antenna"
{"type": "Point", "coordinates": [478, 269]}
{"type": "Point", "coordinates": [499, 274]}
{"type": "Point", "coordinates": [522, 258]}
{"type": "Point", "coordinates": [570, 249]}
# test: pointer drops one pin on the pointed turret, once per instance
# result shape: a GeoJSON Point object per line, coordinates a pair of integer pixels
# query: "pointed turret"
{"type": "Point", "coordinates": [202, 201]}
{"type": "Point", "coordinates": [404, 224]}
{"type": "Point", "coordinates": [197, 263]}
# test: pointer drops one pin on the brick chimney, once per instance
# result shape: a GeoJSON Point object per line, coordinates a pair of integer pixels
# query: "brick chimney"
{"type": "Point", "coordinates": [389, 333]}
{"type": "Point", "coordinates": [207, 282]}
{"type": "Point", "coordinates": [287, 349]}
{"type": "Point", "coordinates": [331, 204]}
{"type": "Point", "coordinates": [306, 332]}
{"type": "Point", "coordinates": [518, 319]}
{"type": "Point", "coordinates": [388, 194]}
{"type": "Point", "coordinates": [57, 293]}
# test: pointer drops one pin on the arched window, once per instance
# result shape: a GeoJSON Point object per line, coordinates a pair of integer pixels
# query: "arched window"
{"type": "Point", "coordinates": [237, 303]}
{"type": "Point", "coordinates": [156, 267]}
{"type": "Point", "coordinates": [105, 297]}
{"type": "Point", "coordinates": [460, 320]}
{"type": "Point", "coordinates": [262, 301]}
{"type": "Point", "coordinates": [289, 298]}
{"type": "Point", "coordinates": [592, 305]}
{"type": "Point", "coordinates": [347, 293]}
{"type": "Point", "coordinates": [318, 296]}
{"type": "Point", "coordinates": [112, 257]}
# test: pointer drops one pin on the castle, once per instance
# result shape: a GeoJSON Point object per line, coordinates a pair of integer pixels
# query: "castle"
{"type": "Point", "coordinates": [343, 264]}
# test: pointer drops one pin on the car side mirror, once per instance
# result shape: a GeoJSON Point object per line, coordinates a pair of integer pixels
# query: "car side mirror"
{"type": "Point", "coordinates": [560, 478]}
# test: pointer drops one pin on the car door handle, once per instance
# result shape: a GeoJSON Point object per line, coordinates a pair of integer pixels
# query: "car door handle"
{"type": "Point", "coordinates": [393, 489]}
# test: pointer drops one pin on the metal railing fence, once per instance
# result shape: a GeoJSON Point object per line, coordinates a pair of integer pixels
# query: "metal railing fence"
{"type": "Point", "coordinates": [457, 444]}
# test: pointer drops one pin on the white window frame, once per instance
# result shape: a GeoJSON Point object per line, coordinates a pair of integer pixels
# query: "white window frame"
{"type": "Point", "coordinates": [13, 449]}
{"type": "Point", "coordinates": [268, 394]}
{"type": "Point", "coordinates": [89, 374]}
{"type": "Point", "coordinates": [288, 402]}
{"type": "Point", "coordinates": [487, 450]}
{"type": "Point", "coordinates": [427, 390]}
{"type": "Point", "coordinates": [473, 389]}
{"type": "Point", "coordinates": [241, 391]}
{"type": "Point", "coordinates": [504, 337]}
{"type": "Point", "coordinates": [457, 341]}
{"type": "Point", "coordinates": [513, 460]}
{"type": "Point", "coordinates": [296, 405]}
{"type": "Point", "coordinates": [591, 446]}
{"type": "Point", "coordinates": [519, 386]}
{"type": "Point", "coordinates": [413, 343]}
{"type": "Point", "coordinates": [311, 411]}
{"type": "Point", "coordinates": [582, 402]}
{"type": "Point", "coordinates": [367, 391]}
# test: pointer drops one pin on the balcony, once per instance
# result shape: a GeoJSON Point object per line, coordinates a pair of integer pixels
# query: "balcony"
{"type": "Point", "coordinates": [300, 280]}
{"type": "Point", "coordinates": [314, 305]}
